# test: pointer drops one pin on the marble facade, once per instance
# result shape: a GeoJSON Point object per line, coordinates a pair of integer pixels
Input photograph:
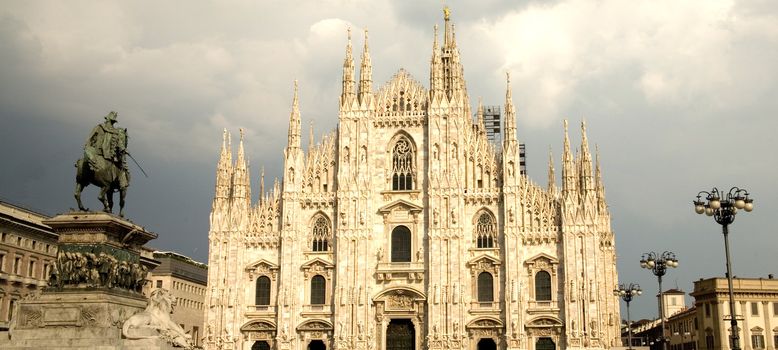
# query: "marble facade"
{"type": "Point", "coordinates": [405, 228]}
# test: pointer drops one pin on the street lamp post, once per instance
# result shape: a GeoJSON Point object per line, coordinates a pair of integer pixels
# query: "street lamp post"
{"type": "Point", "coordinates": [658, 265]}
{"type": "Point", "coordinates": [626, 292]}
{"type": "Point", "coordinates": [723, 210]}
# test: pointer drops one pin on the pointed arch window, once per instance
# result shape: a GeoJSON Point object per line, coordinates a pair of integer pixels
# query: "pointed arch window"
{"type": "Point", "coordinates": [485, 231]}
{"type": "Point", "coordinates": [318, 288]}
{"type": "Point", "coordinates": [321, 234]}
{"type": "Point", "coordinates": [401, 244]}
{"type": "Point", "coordinates": [485, 287]}
{"type": "Point", "coordinates": [403, 165]}
{"type": "Point", "coordinates": [542, 286]}
{"type": "Point", "coordinates": [263, 291]}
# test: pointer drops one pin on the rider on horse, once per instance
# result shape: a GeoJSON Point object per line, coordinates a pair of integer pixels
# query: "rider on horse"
{"type": "Point", "coordinates": [109, 143]}
{"type": "Point", "coordinates": [104, 163]}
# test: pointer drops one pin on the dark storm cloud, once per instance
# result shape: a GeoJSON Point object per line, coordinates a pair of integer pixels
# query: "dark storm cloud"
{"type": "Point", "coordinates": [679, 97]}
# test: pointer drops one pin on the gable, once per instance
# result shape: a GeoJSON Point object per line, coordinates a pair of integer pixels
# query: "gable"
{"type": "Point", "coordinates": [400, 205]}
{"type": "Point", "coordinates": [401, 95]}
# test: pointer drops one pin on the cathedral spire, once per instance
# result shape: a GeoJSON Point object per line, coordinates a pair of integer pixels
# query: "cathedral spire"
{"type": "Point", "coordinates": [365, 73]}
{"type": "Point", "coordinates": [453, 80]}
{"type": "Point", "coordinates": [348, 73]}
{"type": "Point", "coordinates": [551, 173]}
{"type": "Point", "coordinates": [310, 139]}
{"type": "Point", "coordinates": [479, 120]}
{"type": "Point", "coordinates": [262, 186]}
{"type": "Point", "coordinates": [585, 171]}
{"type": "Point", "coordinates": [294, 122]}
{"type": "Point", "coordinates": [568, 166]}
{"type": "Point", "coordinates": [224, 170]}
{"type": "Point", "coordinates": [436, 68]}
{"type": "Point", "coordinates": [510, 116]}
{"type": "Point", "coordinates": [599, 186]}
{"type": "Point", "coordinates": [240, 181]}
{"type": "Point", "coordinates": [448, 29]}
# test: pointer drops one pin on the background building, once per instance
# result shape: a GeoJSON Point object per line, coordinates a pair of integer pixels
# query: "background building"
{"type": "Point", "coordinates": [649, 332]}
{"type": "Point", "coordinates": [406, 228]}
{"type": "Point", "coordinates": [28, 250]}
{"type": "Point", "coordinates": [674, 302]}
{"type": "Point", "coordinates": [186, 281]}
{"type": "Point", "coordinates": [682, 329]}
{"type": "Point", "coordinates": [756, 309]}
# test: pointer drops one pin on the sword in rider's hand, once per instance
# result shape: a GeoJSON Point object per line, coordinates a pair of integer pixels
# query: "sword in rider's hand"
{"type": "Point", "coordinates": [136, 163]}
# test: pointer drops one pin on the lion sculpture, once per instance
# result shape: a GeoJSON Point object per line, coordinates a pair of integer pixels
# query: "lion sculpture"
{"type": "Point", "coordinates": [155, 322]}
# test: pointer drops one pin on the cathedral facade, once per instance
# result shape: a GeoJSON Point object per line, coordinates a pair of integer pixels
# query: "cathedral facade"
{"type": "Point", "coordinates": [405, 228]}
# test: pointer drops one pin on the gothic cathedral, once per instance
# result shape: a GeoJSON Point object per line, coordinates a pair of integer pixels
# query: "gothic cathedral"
{"type": "Point", "coordinates": [406, 228]}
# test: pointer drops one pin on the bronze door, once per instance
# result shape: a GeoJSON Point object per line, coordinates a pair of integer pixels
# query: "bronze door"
{"type": "Point", "coordinates": [545, 344]}
{"type": "Point", "coordinates": [487, 344]}
{"type": "Point", "coordinates": [400, 335]}
{"type": "Point", "coordinates": [260, 345]}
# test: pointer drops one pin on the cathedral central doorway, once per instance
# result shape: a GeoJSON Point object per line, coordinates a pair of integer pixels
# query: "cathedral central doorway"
{"type": "Point", "coordinates": [260, 345]}
{"type": "Point", "coordinates": [487, 344]}
{"type": "Point", "coordinates": [400, 335]}
{"type": "Point", "coordinates": [545, 344]}
{"type": "Point", "coordinates": [316, 345]}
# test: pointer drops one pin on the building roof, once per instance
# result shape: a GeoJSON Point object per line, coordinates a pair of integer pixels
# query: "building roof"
{"type": "Point", "coordinates": [159, 254]}
{"type": "Point", "coordinates": [739, 285]}
{"type": "Point", "coordinates": [683, 313]}
{"type": "Point", "coordinates": [26, 218]}
{"type": "Point", "coordinates": [21, 213]}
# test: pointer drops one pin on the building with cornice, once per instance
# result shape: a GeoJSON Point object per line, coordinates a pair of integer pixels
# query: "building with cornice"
{"type": "Point", "coordinates": [28, 250]}
{"type": "Point", "coordinates": [405, 228]}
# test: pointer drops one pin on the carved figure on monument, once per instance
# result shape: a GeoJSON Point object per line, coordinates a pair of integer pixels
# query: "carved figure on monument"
{"type": "Point", "coordinates": [155, 322]}
{"type": "Point", "coordinates": [208, 333]}
{"type": "Point", "coordinates": [104, 164]}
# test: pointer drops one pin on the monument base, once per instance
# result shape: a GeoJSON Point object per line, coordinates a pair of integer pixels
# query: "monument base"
{"type": "Point", "coordinates": [77, 320]}
{"type": "Point", "coordinates": [95, 289]}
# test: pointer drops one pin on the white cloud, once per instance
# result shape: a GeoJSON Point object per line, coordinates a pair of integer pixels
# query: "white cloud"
{"type": "Point", "coordinates": [674, 53]}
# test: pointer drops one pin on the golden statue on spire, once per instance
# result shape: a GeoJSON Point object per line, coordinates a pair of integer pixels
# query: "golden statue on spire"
{"type": "Point", "coordinates": [446, 13]}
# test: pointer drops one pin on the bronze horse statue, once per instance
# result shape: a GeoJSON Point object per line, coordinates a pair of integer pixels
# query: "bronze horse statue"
{"type": "Point", "coordinates": [104, 166]}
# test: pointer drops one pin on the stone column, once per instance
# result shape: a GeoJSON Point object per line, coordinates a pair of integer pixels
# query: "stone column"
{"type": "Point", "coordinates": [745, 338]}
{"type": "Point", "coordinates": [769, 340]}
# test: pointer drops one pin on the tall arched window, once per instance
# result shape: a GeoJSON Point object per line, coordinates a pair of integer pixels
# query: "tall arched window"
{"type": "Point", "coordinates": [485, 287]}
{"type": "Point", "coordinates": [318, 289]}
{"type": "Point", "coordinates": [485, 229]}
{"type": "Point", "coordinates": [401, 244]}
{"type": "Point", "coordinates": [542, 286]}
{"type": "Point", "coordinates": [402, 165]}
{"type": "Point", "coordinates": [263, 291]}
{"type": "Point", "coordinates": [321, 234]}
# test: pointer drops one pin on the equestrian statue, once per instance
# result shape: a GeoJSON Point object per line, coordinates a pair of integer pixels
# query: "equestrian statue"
{"type": "Point", "coordinates": [104, 164]}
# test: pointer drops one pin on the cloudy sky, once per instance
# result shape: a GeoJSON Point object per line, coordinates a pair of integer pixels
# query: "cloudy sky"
{"type": "Point", "coordinates": [680, 96]}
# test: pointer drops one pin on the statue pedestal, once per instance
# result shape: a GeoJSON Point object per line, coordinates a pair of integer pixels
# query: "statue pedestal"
{"type": "Point", "coordinates": [94, 289]}
{"type": "Point", "coordinates": [74, 320]}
